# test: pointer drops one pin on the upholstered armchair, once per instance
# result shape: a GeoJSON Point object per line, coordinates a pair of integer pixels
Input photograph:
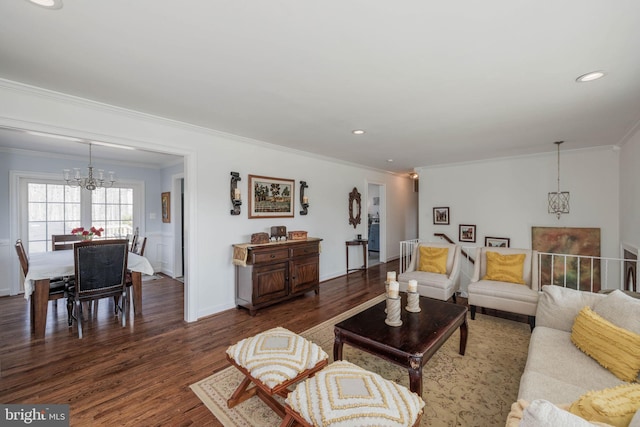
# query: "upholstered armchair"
{"type": "Point", "coordinates": [436, 268]}
{"type": "Point", "coordinates": [505, 279]}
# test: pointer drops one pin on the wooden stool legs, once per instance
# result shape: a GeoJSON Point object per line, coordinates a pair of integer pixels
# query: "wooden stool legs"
{"type": "Point", "coordinates": [243, 392]}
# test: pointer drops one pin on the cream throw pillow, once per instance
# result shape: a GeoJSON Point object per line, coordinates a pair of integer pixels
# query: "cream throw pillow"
{"type": "Point", "coordinates": [542, 413]}
{"type": "Point", "coordinates": [433, 260]}
{"type": "Point", "coordinates": [621, 310]}
{"type": "Point", "coordinates": [505, 268]}
{"type": "Point", "coordinates": [615, 406]}
{"type": "Point", "coordinates": [613, 347]}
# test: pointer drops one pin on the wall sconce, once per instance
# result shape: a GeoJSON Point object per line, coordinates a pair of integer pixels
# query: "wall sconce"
{"type": "Point", "coordinates": [236, 200]}
{"type": "Point", "coordinates": [304, 200]}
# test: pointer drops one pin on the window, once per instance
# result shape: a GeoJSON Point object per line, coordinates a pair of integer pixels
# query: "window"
{"type": "Point", "coordinates": [48, 207]}
{"type": "Point", "coordinates": [112, 209]}
{"type": "Point", "coordinates": [52, 209]}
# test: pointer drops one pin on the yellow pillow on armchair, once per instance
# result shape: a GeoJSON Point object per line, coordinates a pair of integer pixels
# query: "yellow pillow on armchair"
{"type": "Point", "coordinates": [505, 268]}
{"type": "Point", "coordinates": [433, 260]}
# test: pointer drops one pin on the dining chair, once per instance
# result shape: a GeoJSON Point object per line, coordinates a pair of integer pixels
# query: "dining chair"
{"type": "Point", "coordinates": [138, 250]}
{"type": "Point", "coordinates": [134, 240]}
{"type": "Point", "coordinates": [57, 285]}
{"type": "Point", "coordinates": [100, 270]}
{"type": "Point", "coordinates": [140, 245]}
{"type": "Point", "coordinates": [62, 242]}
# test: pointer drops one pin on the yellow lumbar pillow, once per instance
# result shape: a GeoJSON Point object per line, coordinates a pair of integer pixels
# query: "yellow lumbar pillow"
{"type": "Point", "coordinates": [505, 268]}
{"type": "Point", "coordinates": [613, 347]}
{"type": "Point", "coordinates": [433, 260]}
{"type": "Point", "coordinates": [615, 406]}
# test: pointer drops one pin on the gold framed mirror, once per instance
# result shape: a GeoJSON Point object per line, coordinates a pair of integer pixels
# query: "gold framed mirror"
{"type": "Point", "coordinates": [355, 208]}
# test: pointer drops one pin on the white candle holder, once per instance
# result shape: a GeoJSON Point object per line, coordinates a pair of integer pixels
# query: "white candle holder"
{"type": "Point", "coordinates": [413, 302]}
{"type": "Point", "coordinates": [393, 312]}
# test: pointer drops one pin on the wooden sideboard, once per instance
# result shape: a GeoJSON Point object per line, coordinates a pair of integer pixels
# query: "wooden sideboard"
{"type": "Point", "coordinates": [276, 272]}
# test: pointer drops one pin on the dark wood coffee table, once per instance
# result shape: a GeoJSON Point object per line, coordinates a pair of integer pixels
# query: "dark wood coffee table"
{"type": "Point", "coordinates": [410, 345]}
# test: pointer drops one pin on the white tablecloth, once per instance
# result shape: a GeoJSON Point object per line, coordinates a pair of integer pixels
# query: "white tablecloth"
{"type": "Point", "coordinates": [60, 263]}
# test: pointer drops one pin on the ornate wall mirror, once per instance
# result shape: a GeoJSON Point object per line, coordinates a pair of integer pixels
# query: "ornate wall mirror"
{"type": "Point", "coordinates": [355, 209]}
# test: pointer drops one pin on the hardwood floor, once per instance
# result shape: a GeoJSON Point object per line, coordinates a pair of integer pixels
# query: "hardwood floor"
{"type": "Point", "coordinates": [140, 375]}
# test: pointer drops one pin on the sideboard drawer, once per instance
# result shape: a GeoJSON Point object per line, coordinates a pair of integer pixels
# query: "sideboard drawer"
{"type": "Point", "coordinates": [270, 256]}
{"type": "Point", "coordinates": [304, 250]}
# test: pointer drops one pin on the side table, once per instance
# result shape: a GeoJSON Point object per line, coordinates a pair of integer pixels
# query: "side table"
{"type": "Point", "coordinates": [356, 242]}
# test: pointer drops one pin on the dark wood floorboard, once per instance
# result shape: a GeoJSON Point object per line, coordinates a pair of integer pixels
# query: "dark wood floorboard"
{"type": "Point", "coordinates": [140, 375]}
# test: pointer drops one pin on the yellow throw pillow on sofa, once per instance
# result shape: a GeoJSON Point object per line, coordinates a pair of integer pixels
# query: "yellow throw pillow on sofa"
{"type": "Point", "coordinates": [615, 406]}
{"type": "Point", "coordinates": [433, 260]}
{"type": "Point", "coordinates": [505, 268]}
{"type": "Point", "coordinates": [613, 347]}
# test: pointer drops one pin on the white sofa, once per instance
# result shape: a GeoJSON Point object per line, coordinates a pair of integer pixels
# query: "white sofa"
{"type": "Point", "coordinates": [434, 285]}
{"type": "Point", "coordinates": [556, 370]}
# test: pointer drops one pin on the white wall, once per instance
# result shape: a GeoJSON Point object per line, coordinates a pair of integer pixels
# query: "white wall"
{"type": "Point", "coordinates": [506, 197]}
{"type": "Point", "coordinates": [630, 192]}
{"type": "Point", "coordinates": [209, 158]}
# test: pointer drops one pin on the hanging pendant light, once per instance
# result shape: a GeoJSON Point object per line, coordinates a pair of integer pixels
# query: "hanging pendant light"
{"type": "Point", "coordinates": [559, 201]}
{"type": "Point", "coordinates": [89, 182]}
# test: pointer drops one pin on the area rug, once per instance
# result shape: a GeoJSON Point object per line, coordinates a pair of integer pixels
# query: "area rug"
{"type": "Point", "coordinates": [476, 389]}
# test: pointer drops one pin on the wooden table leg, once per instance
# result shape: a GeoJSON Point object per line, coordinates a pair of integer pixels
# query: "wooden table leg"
{"type": "Point", "coordinates": [364, 254]}
{"type": "Point", "coordinates": [39, 307]}
{"type": "Point", "coordinates": [337, 346]}
{"type": "Point", "coordinates": [347, 246]}
{"type": "Point", "coordinates": [415, 375]}
{"type": "Point", "coordinates": [136, 279]}
{"type": "Point", "coordinates": [463, 336]}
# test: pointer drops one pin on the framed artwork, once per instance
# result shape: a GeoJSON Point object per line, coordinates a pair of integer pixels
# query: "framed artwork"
{"type": "Point", "coordinates": [467, 233]}
{"type": "Point", "coordinates": [441, 216]}
{"type": "Point", "coordinates": [570, 241]}
{"type": "Point", "coordinates": [496, 242]}
{"type": "Point", "coordinates": [270, 197]}
{"type": "Point", "coordinates": [166, 206]}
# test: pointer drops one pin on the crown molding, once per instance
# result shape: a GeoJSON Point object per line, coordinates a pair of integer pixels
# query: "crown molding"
{"type": "Point", "coordinates": [100, 107]}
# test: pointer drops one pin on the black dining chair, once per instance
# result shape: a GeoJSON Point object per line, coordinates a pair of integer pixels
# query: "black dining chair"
{"type": "Point", "coordinates": [100, 271]}
{"type": "Point", "coordinates": [57, 285]}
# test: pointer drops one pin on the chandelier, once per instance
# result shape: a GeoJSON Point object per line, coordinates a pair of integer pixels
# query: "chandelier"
{"type": "Point", "coordinates": [559, 201]}
{"type": "Point", "coordinates": [89, 182]}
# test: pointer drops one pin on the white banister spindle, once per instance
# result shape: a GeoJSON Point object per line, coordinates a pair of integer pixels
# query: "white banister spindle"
{"type": "Point", "coordinates": [608, 276]}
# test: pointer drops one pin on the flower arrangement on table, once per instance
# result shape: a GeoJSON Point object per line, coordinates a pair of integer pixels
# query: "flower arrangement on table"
{"type": "Point", "coordinates": [88, 234]}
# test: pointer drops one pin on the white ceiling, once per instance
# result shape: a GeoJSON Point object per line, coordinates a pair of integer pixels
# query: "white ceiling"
{"type": "Point", "coordinates": [431, 82]}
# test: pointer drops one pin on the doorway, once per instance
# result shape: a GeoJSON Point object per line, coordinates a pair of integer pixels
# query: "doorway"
{"type": "Point", "coordinates": [376, 220]}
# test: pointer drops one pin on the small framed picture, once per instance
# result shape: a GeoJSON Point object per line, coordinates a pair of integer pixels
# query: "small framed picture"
{"type": "Point", "coordinates": [467, 233]}
{"type": "Point", "coordinates": [496, 242]}
{"type": "Point", "coordinates": [166, 206]}
{"type": "Point", "coordinates": [441, 216]}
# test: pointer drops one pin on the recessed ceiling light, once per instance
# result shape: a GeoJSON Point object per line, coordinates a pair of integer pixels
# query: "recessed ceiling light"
{"type": "Point", "coordinates": [389, 160]}
{"type": "Point", "coordinates": [589, 77]}
{"type": "Point", "coordinates": [49, 4]}
{"type": "Point", "coordinates": [357, 132]}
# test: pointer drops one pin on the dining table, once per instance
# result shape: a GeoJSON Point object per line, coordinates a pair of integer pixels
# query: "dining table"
{"type": "Point", "coordinates": [47, 265]}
